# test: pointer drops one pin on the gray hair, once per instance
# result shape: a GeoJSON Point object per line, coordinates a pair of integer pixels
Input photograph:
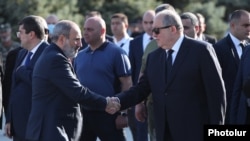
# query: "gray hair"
{"type": "Point", "coordinates": [164, 6]}
{"type": "Point", "coordinates": [61, 28]}
{"type": "Point", "coordinates": [171, 18]}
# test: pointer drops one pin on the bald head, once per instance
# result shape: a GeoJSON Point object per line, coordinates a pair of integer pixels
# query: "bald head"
{"type": "Point", "coordinates": [149, 13]}
{"type": "Point", "coordinates": [52, 19]}
{"type": "Point", "coordinates": [94, 31]}
{"type": "Point", "coordinates": [97, 22]}
{"type": "Point", "coordinates": [147, 21]}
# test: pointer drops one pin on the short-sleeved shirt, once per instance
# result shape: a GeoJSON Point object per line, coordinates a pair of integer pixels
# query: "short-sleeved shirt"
{"type": "Point", "coordinates": [99, 70]}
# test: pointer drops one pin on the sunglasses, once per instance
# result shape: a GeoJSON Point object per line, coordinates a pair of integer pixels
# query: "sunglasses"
{"type": "Point", "coordinates": [157, 30]}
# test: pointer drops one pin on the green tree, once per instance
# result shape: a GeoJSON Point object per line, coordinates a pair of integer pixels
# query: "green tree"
{"type": "Point", "coordinates": [213, 15]}
{"type": "Point", "coordinates": [13, 10]}
{"type": "Point", "coordinates": [133, 9]}
{"type": "Point", "coordinates": [233, 5]}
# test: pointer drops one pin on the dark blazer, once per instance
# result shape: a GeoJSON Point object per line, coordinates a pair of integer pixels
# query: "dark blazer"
{"type": "Point", "coordinates": [7, 79]}
{"type": "Point", "coordinates": [56, 91]}
{"type": "Point", "coordinates": [135, 57]}
{"type": "Point", "coordinates": [209, 39]}
{"type": "Point", "coordinates": [1, 95]}
{"type": "Point", "coordinates": [238, 111]}
{"type": "Point", "coordinates": [21, 92]}
{"type": "Point", "coordinates": [229, 61]}
{"type": "Point", "coordinates": [194, 95]}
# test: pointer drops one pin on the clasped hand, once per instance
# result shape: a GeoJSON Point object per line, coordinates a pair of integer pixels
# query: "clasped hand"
{"type": "Point", "coordinates": [113, 105]}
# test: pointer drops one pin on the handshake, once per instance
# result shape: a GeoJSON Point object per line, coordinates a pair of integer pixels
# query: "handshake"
{"type": "Point", "coordinates": [113, 105]}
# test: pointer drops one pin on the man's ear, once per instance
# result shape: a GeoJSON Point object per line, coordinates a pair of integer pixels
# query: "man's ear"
{"type": "Point", "coordinates": [103, 31]}
{"type": "Point", "coordinates": [61, 39]}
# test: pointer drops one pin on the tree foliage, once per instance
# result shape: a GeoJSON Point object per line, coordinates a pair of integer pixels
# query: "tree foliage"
{"type": "Point", "coordinates": [216, 12]}
{"type": "Point", "coordinates": [213, 16]}
{"type": "Point", "coordinates": [133, 9]}
{"type": "Point", "coordinates": [13, 10]}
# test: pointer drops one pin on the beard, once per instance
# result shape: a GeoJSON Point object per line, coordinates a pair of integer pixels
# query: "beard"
{"type": "Point", "coordinates": [70, 51]}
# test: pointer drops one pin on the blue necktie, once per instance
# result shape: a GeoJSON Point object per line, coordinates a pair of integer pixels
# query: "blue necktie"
{"type": "Point", "coordinates": [27, 61]}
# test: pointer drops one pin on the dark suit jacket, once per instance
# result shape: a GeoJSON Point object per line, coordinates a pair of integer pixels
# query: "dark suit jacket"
{"type": "Point", "coordinates": [135, 57]}
{"type": "Point", "coordinates": [209, 39]}
{"type": "Point", "coordinates": [229, 61]}
{"type": "Point", "coordinates": [1, 95]}
{"type": "Point", "coordinates": [56, 91]}
{"type": "Point", "coordinates": [238, 111]}
{"type": "Point", "coordinates": [194, 95]}
{"type": "Point", "coordinates": [7, 80]}
{"type": "Point", "coordinates": [21, 91]}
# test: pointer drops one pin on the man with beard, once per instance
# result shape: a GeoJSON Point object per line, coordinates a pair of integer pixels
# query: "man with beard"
{"type": "Point", "coordinates": [55, 113]}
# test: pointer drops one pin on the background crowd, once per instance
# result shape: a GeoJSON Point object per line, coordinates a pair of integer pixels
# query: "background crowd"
{"type": "Point", "coordinates": [169, 58]}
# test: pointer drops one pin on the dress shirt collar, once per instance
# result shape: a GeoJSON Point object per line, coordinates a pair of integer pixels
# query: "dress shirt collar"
{"type": "Point", "coordinates": [146, 39]}
{"type": "Point", "coordinates": [236, 41]}
{"type": "Point", "coordinates": [35, 48]}
{"type": "Point", "coordinates": [123, 41]}
{"type": "Point", "coordinates": [176, 46]}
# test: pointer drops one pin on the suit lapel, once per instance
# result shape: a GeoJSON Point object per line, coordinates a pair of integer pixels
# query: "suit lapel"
{"type": "Point", "coordinates": [204, 38]}
{"type": "Point", "coordinates": [233, 50]}
{"type": "Point", "coordinates": [180, 57]}
{"type": "Point", "coordinates": [37, 53]}
{"type": "Point", "coordinates": [141, 44]}
{"type": "Point", "coordinates": [21, 56]}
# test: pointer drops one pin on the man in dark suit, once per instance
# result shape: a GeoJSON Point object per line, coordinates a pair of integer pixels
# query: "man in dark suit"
{"type": "Point", "coordinates": [55, 114]}
{"type": "Point", "coordinates": [240, 101]}
{"type": "Point", "coordinates": [32, 31]}
{"type": "Point", "coordinates": [229, 51]}
{"type": "Point", "coordinates": [187, 91]}
{"type": "Point", "coordinates": [7, 77]}
{"type": "Point", "coordinates": [1, 96]}
{"type": "Point", "coordinates": [202, 27]}
{"type": "Point", "coordinates": [136, 49]}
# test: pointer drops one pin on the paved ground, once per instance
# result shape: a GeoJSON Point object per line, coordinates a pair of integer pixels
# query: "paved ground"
{"type": "Point", "coordinates": [4, 138]}
{"type": "Point", "coordinates": [126, 132]}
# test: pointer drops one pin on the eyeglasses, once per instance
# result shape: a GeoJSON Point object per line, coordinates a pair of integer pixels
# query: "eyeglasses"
{"type": "Point", "coordinates": [18, 34]}
{"type": "Point", "coordinates": [157, 30]}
